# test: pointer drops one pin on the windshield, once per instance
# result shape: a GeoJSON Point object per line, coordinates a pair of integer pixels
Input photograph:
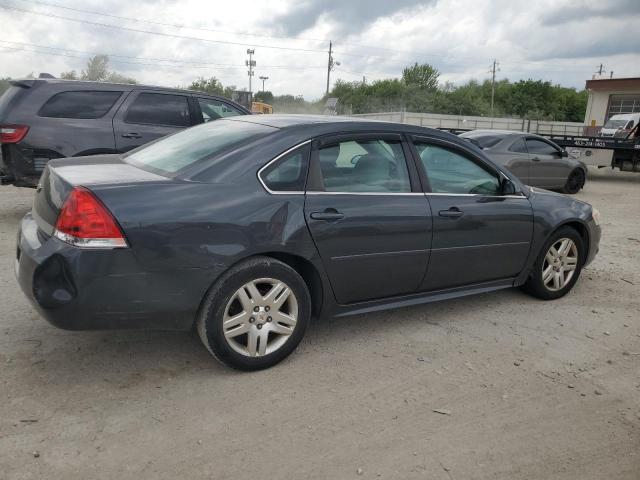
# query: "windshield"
{"type": "Point", "coordinates": [181, 150]}
{"type": "Point", "coordinates": [615, 123]}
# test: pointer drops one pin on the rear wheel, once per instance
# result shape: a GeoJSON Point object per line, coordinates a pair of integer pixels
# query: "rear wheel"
{"type": "Point", "coordinates": [575, 181]}
{"type": "Point", "coordinates": [255, 315]}
{"type": "Point", "coordinates": [558, 266]}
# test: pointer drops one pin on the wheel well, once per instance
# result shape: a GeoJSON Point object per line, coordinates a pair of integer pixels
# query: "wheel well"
{"type": "Point", "coordinates": [582, 231]}
{"type": "Point", "coordinates": [309, 274]}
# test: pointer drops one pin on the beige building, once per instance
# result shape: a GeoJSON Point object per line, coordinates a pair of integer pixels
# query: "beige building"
{"type": "Point", "coordinates": [609, 97]}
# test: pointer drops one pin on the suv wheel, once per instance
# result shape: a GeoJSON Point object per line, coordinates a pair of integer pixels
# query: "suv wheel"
{"type": "Point", "coordinates": [558, 266]}
{"type": "Point", "coordinates": [256, 315]}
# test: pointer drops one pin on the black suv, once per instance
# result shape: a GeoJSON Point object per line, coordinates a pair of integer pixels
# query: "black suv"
{"type": "Point", "coordinates": [42, 119]}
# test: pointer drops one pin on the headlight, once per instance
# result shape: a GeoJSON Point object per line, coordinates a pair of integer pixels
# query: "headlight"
{"type": "Point", "coordinates": [595, 214]}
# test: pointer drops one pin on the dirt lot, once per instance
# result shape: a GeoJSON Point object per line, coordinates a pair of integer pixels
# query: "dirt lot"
{"type": "Point", "coordinates": [528, 389]}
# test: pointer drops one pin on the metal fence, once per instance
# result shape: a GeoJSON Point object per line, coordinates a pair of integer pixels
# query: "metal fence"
{"type": "Point", "coordinates": [435, 120]}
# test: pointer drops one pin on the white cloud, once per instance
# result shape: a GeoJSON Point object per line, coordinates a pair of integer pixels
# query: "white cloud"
{"type": "Point", "coordinates": [561, 41]}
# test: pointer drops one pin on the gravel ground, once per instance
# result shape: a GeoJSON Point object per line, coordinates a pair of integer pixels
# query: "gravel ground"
{"type": "Point", "coordinates": [526, 389]}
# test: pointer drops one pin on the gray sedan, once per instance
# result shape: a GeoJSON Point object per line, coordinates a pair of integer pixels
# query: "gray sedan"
{"type": "Point", "coordinates": [535, 160]}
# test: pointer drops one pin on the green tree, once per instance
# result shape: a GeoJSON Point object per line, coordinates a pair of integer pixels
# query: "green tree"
{"type": "Point", "coordinates": [265, 96]}
{"type": "Point", "coordinates": [97, 69]}
{"type": "Point", "coordinates": [423, 76]}
{"type": "Point", "coordinates": [207, 85]}
{"type": "Point", "coordinates": [4, 84]}
{"type": "Point", "coordinates": [70, 75]}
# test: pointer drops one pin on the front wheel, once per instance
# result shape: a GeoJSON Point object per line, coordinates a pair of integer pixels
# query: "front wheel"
{"type": "Point", "coordinates": [558, 266]}
{"type": "Point", "coordinates": [255, 315]}
{"type": "Point", "coordinates": [575, 181]}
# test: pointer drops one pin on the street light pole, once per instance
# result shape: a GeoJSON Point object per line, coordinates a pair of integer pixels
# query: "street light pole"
{"type": "Point", "coordinates": [263, 79]}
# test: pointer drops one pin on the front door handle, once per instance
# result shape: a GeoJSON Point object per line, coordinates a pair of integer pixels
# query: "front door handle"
{"type": "Point", "coordinates": [453, 212]}
{"type": "Point", "coordinates": [536, 159]}
{"type": "Point", "coordinates": [131, 135]}
{"type": "Point", "coordinates": [329, 215]}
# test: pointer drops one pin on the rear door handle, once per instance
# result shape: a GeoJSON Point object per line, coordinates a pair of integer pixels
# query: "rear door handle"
{"type": "Point", "coordinates": [131, 135]}
{"type": "Point", "coordinates": [452, 212]}
{"type": "Point", "coordinates": [328, 215]}
{"type": "Point", "coordinates": [536, 159]}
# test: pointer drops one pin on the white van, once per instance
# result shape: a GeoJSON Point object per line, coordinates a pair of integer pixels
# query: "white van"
{"type": "Point", "coordinates": [620, 125]}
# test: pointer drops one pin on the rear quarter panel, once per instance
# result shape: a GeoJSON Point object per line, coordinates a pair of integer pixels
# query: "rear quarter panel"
{"type": "Point", "coordinates": [184, 235]}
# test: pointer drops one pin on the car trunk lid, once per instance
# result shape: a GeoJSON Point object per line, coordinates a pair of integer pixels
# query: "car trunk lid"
{"type": "Point", "coordinates": [61, 176]}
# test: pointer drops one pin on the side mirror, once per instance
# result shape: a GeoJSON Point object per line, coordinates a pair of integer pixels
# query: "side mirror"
{"type": "Point", "coordinates": [507, 187]}
{"type": "Point", "coordinates": [564, 153]}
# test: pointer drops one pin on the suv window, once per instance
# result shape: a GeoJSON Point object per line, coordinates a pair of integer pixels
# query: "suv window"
{"type": "Point", "coordinates": [159, 109]}
{"type": "Point", "coordinates": [451, 172]}
{"type": "Point", "coordinates": [518, 146]}
{"type": "Point", "coordinates": [538, 146]}
{"type": "Point", "coordinates": [364, 166]}
{"type": "Point", "coordinates": [79, 104]}
{"type": "Point", "coordinates": [213, 109]}
{"type": "Point", "coordinates": [289, 173]}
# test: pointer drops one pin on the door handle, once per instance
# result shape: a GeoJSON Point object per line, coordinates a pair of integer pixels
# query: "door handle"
{"type": "Point", "coordinates": [453, 212]}
{"type": "Point", "coordinates": [329, 215]}
{"type": "Point", "coordinates": [131, 135]}
{"type": "Point", "coordinates": [536, 159]}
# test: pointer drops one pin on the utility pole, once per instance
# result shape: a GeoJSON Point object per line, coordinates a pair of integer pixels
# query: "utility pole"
{"type": "Point", "coordinates": [250, 63]}
{"type": "Point", "coordinates": [600, 69]}
{"type": "Point", "coordinates": [611, 74]}
{"type": "Point", "coordinates": [330, 65]}
{"type": "Point", "coordinates": [263, 79]}
{"type": "Point", "coordinates": [492, 70]}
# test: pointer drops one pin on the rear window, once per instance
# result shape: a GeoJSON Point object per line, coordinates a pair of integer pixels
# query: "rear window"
{"type": "Point", "coordinates": [6, 97]}
{"type": "Point", "coordinates": [159, 109]}
{"type": "Point", "coordinates": [485, 141]}
{"type": "Point", "coordinates": [181, 150]}
{"type": "Point", "coordinates": [83, 104]}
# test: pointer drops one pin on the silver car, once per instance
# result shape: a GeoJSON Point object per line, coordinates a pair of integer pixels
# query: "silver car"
{"type": "Point", "coordinates": [535, 160]}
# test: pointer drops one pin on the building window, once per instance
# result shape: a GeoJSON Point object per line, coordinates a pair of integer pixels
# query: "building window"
{"type": "Point", "coordinates": [623, 104]}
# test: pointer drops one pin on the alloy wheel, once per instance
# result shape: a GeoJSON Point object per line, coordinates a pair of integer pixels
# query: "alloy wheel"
{"type": "Point", "coordinates": [260, 317]}
{"type": "Point", "coordinates": [559, 264]}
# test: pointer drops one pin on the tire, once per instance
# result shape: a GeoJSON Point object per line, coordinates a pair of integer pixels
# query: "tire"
{"type": "Point", "coordinates": [260, 330]}
{"type": "Point", "coordinates": [575, 182]}
{"type": "Point", "coordinates": [548, 290]}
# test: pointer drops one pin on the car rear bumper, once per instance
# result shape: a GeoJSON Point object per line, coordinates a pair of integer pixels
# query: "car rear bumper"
{"type": "Point", "coordinates": [78, 289]}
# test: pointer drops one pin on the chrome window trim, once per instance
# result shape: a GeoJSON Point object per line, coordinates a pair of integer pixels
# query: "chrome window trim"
{"type": "Point", "coordinates": [286, 152]}
{"type": "Point", "coordinates": [365, 193]}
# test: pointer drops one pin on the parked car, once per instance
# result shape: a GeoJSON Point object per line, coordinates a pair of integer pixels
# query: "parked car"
{"type": "Point", "coordinates": [42, 119]}
{"type": "Point", "coordinates": [620, 125]}
{"type": "Point", "coordinates": [247, 227]}
{"type": "Point", "coordinates": [536, 161]}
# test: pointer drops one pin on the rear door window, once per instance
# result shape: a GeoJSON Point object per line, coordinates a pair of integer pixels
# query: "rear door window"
{"type": "Point", "coordinates": [159, 109]}
{"type": "Point", "coordinates": [212, 109]}
{"type": "Point", "coordinates": [518, 146]}
{"type": "Point", "coordinates": [364, 166]}
{"type": "Point", "coordinates": [84, 104]}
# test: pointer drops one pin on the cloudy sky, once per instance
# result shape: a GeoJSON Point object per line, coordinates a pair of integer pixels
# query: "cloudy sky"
{"type": "Point", "coordinates": [173, 42]}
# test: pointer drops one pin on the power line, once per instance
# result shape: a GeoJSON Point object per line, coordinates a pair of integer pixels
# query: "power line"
{"type": "Point", "coordinates": [190, 63]}
{"type": "Point", "coordinates": [173, 25]}
{"type": "Point", "coordinates": [150, 32]}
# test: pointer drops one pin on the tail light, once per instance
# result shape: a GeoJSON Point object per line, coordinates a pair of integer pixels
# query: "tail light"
{"type": "Point", "coordinates": [12, 133]}
{"type": "Point", "coordinates": [85, 222]}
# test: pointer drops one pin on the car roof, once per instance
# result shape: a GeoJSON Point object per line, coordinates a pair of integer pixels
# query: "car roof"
{"type": "Point", "coordinates": [107, 85]}
{"type": "Point", "coordinates": [335, 124]}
